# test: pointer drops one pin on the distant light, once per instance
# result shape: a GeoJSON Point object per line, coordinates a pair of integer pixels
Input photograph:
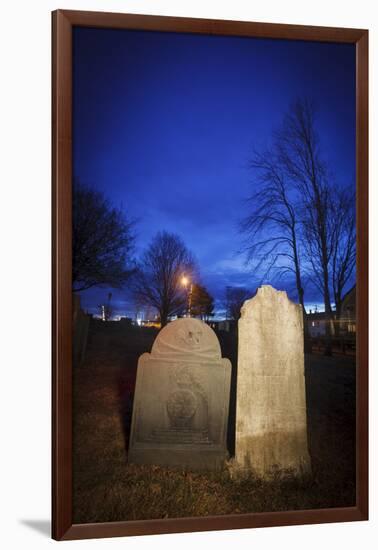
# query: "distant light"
{"type": "Point", "coordinates": [185, 281]}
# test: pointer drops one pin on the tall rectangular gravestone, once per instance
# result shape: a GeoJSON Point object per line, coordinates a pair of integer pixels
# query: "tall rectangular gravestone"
{"type": "Point", "coordinates": [181, 400]}
{"type": "Point", "coordinates": [271, 424]}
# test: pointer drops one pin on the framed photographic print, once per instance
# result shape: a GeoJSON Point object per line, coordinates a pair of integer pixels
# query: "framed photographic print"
{"type": "Point", "coordinates": [210, 308]}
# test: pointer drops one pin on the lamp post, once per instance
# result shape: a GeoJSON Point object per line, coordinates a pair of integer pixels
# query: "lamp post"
{"type": "Point", "coordinates": [188, 285]}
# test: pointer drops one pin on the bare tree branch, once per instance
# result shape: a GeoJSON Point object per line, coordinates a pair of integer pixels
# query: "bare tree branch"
{"type": "Point", "coordinates": [158, 279]}
{"type": "Point", "coordinates": [102, 241]}
{"type": "Point", "coordinates": [273, 211]}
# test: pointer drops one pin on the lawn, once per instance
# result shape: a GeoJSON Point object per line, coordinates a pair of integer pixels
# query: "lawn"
{"type": "Point", "coordinates": [107, 488]}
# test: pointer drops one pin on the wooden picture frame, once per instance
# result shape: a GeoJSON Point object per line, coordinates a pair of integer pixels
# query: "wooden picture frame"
{"type": "Point", "coordinates": [62, 25]}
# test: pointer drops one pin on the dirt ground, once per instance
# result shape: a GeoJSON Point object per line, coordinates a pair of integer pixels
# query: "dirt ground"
{"type": "Point", "coordinates": [107, 488]}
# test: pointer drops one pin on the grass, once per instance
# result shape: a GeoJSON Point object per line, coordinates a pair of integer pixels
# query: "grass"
{"type": "Point", "coordinates": [107, 488]}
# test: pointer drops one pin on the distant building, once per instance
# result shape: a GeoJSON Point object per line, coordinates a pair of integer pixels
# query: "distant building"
{"type": "Point", "coordinates": [348, 312]}
{"type": "Point", "coordinates": [154, 323]}
{"type": "Point", "coordinates": [226, 325]}
{"type": "Point", "coordinates": [316, 323]}
{"type": "Point", "coordinates": [125, 321]}
{"type": "Point", "coordinates": [147, 317]}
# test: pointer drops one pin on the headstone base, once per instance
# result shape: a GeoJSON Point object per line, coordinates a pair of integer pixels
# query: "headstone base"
{"type": "Point", "coordinates": [272, 455]}
{"type": "Point", "coordinates": [190, 457]}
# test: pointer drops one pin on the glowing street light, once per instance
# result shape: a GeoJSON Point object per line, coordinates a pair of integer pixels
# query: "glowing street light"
{"type": "Point", "coordinates": [187, 283]}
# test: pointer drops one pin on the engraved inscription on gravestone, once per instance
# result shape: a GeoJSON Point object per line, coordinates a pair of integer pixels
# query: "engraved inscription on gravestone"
{"type": "Point", "coordinates": [181, 399]}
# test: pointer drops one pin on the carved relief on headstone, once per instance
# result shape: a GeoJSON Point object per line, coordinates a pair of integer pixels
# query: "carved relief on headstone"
{"type": "Point", "coordinates": [181, 399]}
{"type": "Point", "coordinates": [271, 423]}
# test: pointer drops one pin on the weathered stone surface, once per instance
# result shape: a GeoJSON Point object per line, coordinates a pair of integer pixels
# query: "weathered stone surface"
{"type": "Point", "coordinates": [181, 399]}
{"type": "Point", "coordinates": [271, 424]}
{"type": "Point", "coordinates": [81, 323]}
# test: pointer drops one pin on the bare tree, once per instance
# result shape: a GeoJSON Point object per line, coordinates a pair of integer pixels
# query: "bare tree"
{"type": "Point", "coordinates": [272, 225]}
{"type": "Point", "coordinates": [299, 222]}
{"type": "Point", "coordinates": [298, 146]}
{"type": "Point", "coordinates": [299, 156]}
{"type": "Point", "coordinates": [202, 302]}
{"type": "Point", "coordinates": [343, 261]}
{"type": "Point", "coordinates": [102, 241]}
{"type": "Point", "coordinates": [235, 298]}
{"type": "Point", "coordinates": [158, 279]}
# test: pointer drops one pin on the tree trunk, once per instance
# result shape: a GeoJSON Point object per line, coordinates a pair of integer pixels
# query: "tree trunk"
{"type": "Point", "coordinates": [328, 314]}
{"type": "Point", "coordinates": [307, 343]}
{"type": "Point", "coordinates": [337, 314]}
{"type": "Point", "coordinates": [163, 318]}
{"type": "Point", "coordinates": [306, 335]}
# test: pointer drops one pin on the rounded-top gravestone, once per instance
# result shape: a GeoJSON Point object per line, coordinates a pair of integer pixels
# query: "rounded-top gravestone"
{"type": "Point", "coordinates": [180, 410]}
{"type": "Point", "coordinates": [187, 339]}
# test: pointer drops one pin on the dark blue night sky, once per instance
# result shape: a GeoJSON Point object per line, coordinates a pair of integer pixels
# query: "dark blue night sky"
{"type": "Point", "coordinates": [165, 123]}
